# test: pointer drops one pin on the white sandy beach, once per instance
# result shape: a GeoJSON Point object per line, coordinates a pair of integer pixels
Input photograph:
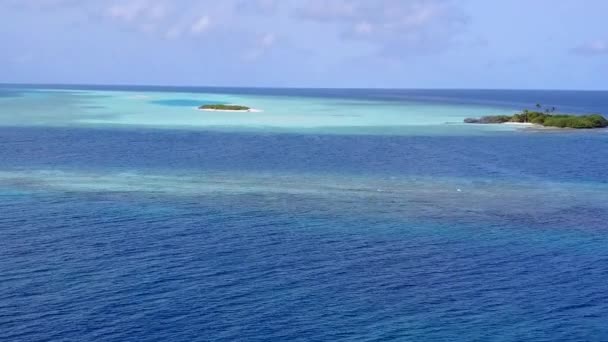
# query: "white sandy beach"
{"type": "Point", "coordinates": [533, 126]}
{"type": "Point", "coordinates": [523, 124]}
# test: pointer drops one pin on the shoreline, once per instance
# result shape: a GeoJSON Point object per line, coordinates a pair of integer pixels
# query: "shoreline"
{"type": "Point", "coordinates": [533, 127]}
{"type": "Point", "coordinates": [527, 125]}
{"type": "Point", "coordinates": [250, 110]}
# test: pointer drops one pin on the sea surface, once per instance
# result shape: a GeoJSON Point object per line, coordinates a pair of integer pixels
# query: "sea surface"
{"type": "Point", "coordinates": [126, 214]}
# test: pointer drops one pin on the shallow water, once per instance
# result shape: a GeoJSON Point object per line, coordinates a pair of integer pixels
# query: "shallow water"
{"type": "Point", "coordinates": [295, 113]}
{"type": "Point", "coordinates": [184, 233]}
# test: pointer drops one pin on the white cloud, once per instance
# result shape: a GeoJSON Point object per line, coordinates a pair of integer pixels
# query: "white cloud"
{"type": "Point", "coordinates": [261, 46]}
{"type": "Point", "coordinates": [393, 25]}
{"type": "Point", "coordinates": [157, 11]}
{"type": "Point", "coordinates": [267, 40]}
{"type": "Point", "coordinates": [258, 6]}
{"type": "Point", "coordinates": [200, 25]}
{"type": "Point", "coordinates": [126, 11]}
{"type": "Point", "coordinates": [40, 4]}
{"type": "Point", "coordinates": [170, 19]}
{"type": "Point", "coordinates": [595, 47]}
{"type": "Point", "coordinates": [174, 32]}
{"type": "Point", "coordinates": [328, 10]}
{"type": "Point", "coordinates": [364, 27]}
{"type": "Point", "coordinates": [145, 15]}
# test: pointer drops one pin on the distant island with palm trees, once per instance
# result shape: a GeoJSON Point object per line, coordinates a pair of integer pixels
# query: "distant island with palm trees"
{"type": "Point", "coordinates": [545, 117]}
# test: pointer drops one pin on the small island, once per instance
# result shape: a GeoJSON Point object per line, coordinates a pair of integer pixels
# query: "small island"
{"type": "Point", "coordinates": [544, 119]}
{"type": "Point", "coordinates": [227, 108]}
{"type": "Point", "coordinates": [224, 107]}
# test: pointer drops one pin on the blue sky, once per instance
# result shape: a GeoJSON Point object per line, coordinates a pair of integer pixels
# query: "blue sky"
{"type": "Point", "coordinates": [546, 44]}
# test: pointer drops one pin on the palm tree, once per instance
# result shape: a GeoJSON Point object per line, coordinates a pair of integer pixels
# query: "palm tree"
{"type": "Point", "coordinates": [524, 115]}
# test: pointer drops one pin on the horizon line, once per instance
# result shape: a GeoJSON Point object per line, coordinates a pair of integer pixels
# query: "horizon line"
{"type": "Point", "coordinates": [279, 87]}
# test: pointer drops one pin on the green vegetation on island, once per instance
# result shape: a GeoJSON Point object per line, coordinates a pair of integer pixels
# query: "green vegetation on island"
{"type": "Point", "coordinates": [223, 107]}
{"type": "Point", "coordinates": [545, 118]}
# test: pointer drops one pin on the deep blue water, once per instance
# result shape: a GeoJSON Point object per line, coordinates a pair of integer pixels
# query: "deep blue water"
{"type": "Point", "coordinates": [573, 156]}
{"type": "Point", "coordinates": [523, 257]}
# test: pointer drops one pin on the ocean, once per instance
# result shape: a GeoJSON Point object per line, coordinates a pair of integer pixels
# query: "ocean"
{"type": "Point", "coordinates": [333, 215]}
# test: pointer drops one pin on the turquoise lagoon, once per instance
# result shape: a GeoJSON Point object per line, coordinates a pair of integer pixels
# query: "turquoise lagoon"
{"type": "Point", "coordinates": [294, 113]}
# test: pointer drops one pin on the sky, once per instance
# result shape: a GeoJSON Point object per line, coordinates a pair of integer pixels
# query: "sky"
{"type": "Point", "coordinates": [498, 44]}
